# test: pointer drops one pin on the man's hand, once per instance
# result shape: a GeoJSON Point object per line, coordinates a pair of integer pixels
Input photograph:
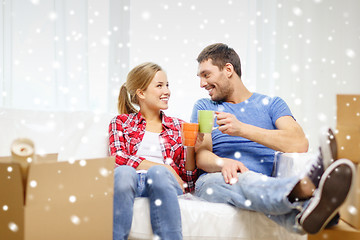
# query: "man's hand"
{"type": "Point", "coordinates": [228, 123]}
{"type": "Point", "coordinates": [230, 169]}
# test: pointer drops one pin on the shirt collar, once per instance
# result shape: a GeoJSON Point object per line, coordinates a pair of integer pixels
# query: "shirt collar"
{"type": "Point", "coordinates": [165, 120]}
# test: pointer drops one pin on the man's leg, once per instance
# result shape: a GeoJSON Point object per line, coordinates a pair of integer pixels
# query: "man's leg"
{"type": "Point", "coordinates": [303, 190]}
{"type": "Point", "coordinates": [253, 191]}
{"type": "Point", "coordinates": [333, 190]}
{"type": "Point", "coordinates": [306, 187]}
{"type": "Point", "coordinates": [271, 196]}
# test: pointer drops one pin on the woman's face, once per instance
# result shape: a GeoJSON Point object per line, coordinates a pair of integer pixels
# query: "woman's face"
{"type": "Point", "coordinates": [157, 94]}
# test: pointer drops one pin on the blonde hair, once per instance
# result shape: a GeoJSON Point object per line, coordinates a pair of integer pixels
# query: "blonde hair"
{"type": "Point", "coordinates": [138, 78]}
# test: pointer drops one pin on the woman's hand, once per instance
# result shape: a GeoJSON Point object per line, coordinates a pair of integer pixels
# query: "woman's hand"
{"type": "Point", "coordinates": [177, 177]}
{"type": "Point", "coordinates": [148, 164]}
{"type": "Point", "coordinates": [199, 140]}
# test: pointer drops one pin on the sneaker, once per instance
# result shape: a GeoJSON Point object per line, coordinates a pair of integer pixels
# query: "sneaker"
{"type": "Point", "coordinates": [317, 170]}
{"type": "Point", "coordinates": [333, 190]}
{"type": "Point", "coordinates": [328, 147]}
{"type": "Point", "coordinates": [327, 155]}
{"type": "Point", "coordinates": [334, 221]}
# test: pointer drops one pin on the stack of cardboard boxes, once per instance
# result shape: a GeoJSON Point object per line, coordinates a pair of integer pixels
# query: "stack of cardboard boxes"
{"type": "Point", "coordinates": [348, 141]}
{"type": "Point", "coordinates": [69, 200]}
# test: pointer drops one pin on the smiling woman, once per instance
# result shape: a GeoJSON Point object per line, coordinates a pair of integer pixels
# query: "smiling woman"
{"type": "Point", "coordinates": [149, 154]}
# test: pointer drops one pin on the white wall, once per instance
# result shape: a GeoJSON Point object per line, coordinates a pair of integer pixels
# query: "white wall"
{"type": "Point", "coordinates": [317, 47]}
{"type": "Point", "coordinates": [74, 55]}
{"type": "Point", "coordinates": [173, 33]}
{"type": "Point", "coordinates": [56, 54]}
{"type": "Point", "coordinates": [304, 51]}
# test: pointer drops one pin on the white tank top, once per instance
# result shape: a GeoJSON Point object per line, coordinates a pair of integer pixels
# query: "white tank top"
{"type": "Point", "coordinates": [150, 148]}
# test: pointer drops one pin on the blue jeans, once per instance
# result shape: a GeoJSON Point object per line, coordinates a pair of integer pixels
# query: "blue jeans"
{"type": "Point", "coordinates": [255, 192]}
{"type": "Point", "coordinates": [162, 189]}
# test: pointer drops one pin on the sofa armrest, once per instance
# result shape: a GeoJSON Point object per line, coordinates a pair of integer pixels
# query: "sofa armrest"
{"type": "Point", "coordinates": [293, 164]}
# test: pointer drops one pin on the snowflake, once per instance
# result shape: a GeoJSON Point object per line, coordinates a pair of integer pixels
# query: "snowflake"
{"type": "Point", "coordinates": [209, 191]}
{"type": "Point", "coordinates": [72, 199]}
{"type": "Point", "coordinates": [297, 101]}
{"type": "Point", "coordinates": [158, 202]}
{"type": "Point", "coordinates": [13, 227]}
{"type": "Point", "coordinates": [145, 15]}
{"type": "Point", "coordinates": [52, 16]}
{"type": "Point", "coordinates": [265, 101]}
{"type": "Point", "coordinates": [35, 2]}
{"type": "Point", "coordinates": [322, 117]}
{"type": "Point", "coordinates": [352, 210]}
{"type": "Point", "coordinates": [219, 162]}
{"type": "Point", "coordinates": [82, 162]}
{"type": "Point", "coordinates": [297, 11]}
{"type": "Point", "coordinates": [75, 219]}
{"type": "Point", "coordinates": [33, 183]}
{"type": "Point", "coordinates": [350, 53]}
{"type": "Point", "coordinates": [237, 155]}
{"type": "Point", "coordinates": [233, 181]}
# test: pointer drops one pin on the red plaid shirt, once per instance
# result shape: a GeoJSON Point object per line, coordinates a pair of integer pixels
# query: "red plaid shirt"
{"type": "Point", "coordinates": [126, 132]}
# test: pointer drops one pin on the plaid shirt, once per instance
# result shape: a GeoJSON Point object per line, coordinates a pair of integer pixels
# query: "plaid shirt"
{"type": "Point", "coordinates": [126, 132]}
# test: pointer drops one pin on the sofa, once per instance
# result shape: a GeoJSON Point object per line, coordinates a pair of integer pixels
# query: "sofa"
{"type": "Point", "coordinates": [84, 135]}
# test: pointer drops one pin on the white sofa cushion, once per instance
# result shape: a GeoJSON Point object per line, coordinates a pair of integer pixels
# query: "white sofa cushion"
{"type": "Point", "coordinates": [212, 221]}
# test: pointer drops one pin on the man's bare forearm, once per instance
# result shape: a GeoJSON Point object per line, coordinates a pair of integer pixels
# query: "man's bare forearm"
{"type": "Point", "coordinates": [208, 161]}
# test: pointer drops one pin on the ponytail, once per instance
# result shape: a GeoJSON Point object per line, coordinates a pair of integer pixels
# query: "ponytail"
{"type": "Point", "coordinates": [124, 103]}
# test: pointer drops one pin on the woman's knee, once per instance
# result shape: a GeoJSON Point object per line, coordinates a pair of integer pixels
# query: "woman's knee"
{"type": "Point", "coordinates": [157, 172]}
{"type": "Point", "coordinates": [125, 178]}
{"type": "Point", "coordinates": [159, 176]}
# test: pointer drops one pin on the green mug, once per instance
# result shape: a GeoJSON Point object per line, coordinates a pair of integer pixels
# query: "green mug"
{"type": "Point", "coordinates": [206, 121]}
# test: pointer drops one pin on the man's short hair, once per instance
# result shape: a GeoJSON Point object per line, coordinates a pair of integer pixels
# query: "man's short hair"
{"type": "Point", "coordinates": [220, 54]}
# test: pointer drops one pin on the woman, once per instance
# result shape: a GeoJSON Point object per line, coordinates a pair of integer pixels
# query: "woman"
{"type": "Point", "coordinates": [150, 159]}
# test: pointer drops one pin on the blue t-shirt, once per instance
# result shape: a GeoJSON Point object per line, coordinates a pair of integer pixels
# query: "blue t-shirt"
{"type": "Point", "coordinates": [259, 110]}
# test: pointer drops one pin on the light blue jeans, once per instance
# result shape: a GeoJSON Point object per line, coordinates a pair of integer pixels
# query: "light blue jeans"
{"type": "Point", "coordinates": [162, 189]}
{"type": "Point", "coordinates": [256, 192]}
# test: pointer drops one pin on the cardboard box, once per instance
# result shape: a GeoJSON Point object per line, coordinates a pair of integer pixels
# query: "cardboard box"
{"type": "Point", "coordinates": [350, 211]}
{"type": "Point", "coordinates": [64, 200]}
{"type": "Point", "coordinates": [341, 231]}
{"type": "Point", "coordinates": [348, 127]}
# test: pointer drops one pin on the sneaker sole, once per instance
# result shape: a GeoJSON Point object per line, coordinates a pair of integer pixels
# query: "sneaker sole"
{"type": "Point", "coordinates": [332, 192]}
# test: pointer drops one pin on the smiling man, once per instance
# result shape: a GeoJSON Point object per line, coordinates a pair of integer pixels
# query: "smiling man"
{"type": "Point", "coordinates": [238, 156]}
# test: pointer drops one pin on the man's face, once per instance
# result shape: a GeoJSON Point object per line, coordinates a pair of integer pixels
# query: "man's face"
{"type": "Point", "coordinates": [214, 81]}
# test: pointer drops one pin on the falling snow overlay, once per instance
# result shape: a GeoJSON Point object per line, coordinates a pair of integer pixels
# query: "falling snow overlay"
{"type": "Point", "coordinates": [88, 55]}
{"type": "Point", "coordinates": [74, 56]}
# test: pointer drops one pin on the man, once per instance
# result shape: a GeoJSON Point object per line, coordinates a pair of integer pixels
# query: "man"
{"type": "Point", "coordinates": [238, 156]}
